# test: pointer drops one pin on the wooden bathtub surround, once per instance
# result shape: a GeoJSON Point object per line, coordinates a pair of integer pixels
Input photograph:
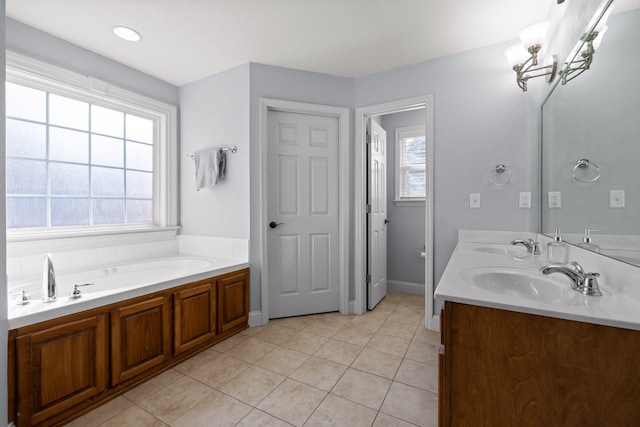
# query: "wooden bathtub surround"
{"type": "Point", "coordinates": [65, 367]}
{"type": "Point", "coordinates": [505, 368]}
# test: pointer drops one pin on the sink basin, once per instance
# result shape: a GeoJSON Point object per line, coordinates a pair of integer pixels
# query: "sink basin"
{"type": "Point", "coordinates": [520, 283]}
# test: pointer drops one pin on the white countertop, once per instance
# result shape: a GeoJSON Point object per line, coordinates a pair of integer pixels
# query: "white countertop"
{"type": "Point", "coordinates": [615, 308]}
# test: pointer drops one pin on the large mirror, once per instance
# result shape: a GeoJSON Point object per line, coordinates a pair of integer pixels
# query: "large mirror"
{"type": "Point", "coordinates": [591, 146]}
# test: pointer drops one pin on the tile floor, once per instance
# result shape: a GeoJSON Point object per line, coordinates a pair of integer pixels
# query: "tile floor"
{"type": "Point", "coordinates": [379, 369]}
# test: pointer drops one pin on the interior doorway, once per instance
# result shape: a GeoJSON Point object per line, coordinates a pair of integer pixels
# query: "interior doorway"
{"type": "Point", "coordinates": [422, 108]}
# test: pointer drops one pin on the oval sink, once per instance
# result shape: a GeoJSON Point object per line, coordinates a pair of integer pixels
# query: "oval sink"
{"type": "Point", "coordinates": [519, 283]}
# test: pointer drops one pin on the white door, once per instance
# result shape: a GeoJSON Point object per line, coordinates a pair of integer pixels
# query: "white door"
{"type": "Point", "coordinates": [302, 206]}
{"type": "Point", "coordinates": [377, 216]}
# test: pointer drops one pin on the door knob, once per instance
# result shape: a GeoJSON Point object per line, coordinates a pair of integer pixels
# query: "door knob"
{"type": "Point", "coordinates": [274, 224]}
{"type": "Point", "coordinates": [386, 221]}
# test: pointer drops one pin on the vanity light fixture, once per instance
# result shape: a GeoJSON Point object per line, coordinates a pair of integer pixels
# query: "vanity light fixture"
{"type": "Point", "coordinates": [524, 57]}
{"type": "Point", "coordinates": [126, 33]}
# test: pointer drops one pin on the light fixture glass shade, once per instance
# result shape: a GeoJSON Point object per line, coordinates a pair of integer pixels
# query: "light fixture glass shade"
{"type": "Point", "coordinates": [534, 34]}
{"type": "Point", "coordinates": [602, 23]}
{"type": "Point", "coordinates": [126, 33]}
{"type": "Point", "coordinates": [596, 42]}
{"type": "Point", "coordinates": [516, 54]}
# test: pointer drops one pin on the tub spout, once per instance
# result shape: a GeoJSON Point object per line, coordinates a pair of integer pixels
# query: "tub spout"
{"type": "Point", "coordinates": [49, 290]}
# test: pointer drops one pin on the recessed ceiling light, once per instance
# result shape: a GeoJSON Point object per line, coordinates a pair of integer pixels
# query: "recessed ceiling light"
{"type": "Point", "coordinates": [126, 33]}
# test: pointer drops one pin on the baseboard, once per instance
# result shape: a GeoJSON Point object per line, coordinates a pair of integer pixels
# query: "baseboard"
{"type": "Point", "coordinates": [255, 318]}
{"type": "Point", "coordinates": [406, 287]}
{"type": "Point", "coordinates": [351, 307]}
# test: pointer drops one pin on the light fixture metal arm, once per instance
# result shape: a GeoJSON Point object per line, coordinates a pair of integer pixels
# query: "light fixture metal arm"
{"type": "Point", "coordinates": [529, 70]}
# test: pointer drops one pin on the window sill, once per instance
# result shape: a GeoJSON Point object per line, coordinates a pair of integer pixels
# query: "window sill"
{"type": "Point", "coordinates": [103, 233]}
{"type": "Point", "coordinates": [410, 202]}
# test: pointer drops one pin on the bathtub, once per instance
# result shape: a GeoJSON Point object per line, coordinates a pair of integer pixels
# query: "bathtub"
{"type": "Point", "coordinates": [110, 284]}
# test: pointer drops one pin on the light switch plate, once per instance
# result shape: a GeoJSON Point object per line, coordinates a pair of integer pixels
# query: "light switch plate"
{"type": "Point", "coordinates": [554, 200]}
{"type": "Point", "coordinates": [616, 199]}
{"type": "Point", "coordinates": [474, 200]}
{"type": "Point", "coordinates": [525, 200]}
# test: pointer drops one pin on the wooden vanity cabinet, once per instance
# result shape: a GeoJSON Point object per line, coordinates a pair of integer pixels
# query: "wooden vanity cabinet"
{"type": "Point", "coordinates": [194, 316]}
{"type": "Point", "coordinates": [233, 298]}
{"type": "Point", "coordinates": [59, 367]}
{"type": "Point", "coordinates": [505, 368]}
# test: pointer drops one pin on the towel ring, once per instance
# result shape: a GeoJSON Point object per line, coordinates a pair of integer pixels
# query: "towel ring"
{"type": "Point", "coordinates": [583, 164]}
{"type": "Point", "coordinates": [496, 172]}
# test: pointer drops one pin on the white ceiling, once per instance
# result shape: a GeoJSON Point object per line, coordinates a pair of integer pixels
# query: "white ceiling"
{"type": "Point", "coordinates": [186, 40]}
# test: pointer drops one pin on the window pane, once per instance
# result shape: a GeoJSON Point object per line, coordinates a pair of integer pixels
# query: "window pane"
{"type": "Point", "coordinates": [108, 211]}
{"type": "Point", "coordinates": [68, 112]}
{"type": "Point", "coordinates": [139, 156]}
{"type": "Point", "coordinates": [26, 103]}
{"type": "Point", "coordinates": [26, 212]}
{"type": "Point", "coordinates": [139, 185]}
{"type": "Point", "coordinates": [26, 176]}
{"type": "Point", "coordinates": [107, 182]}
{"type": "Point", "coordinates": [69, 180]}
{"type": "Point", "coordinates": [415, 151]}
{"type": "Point", "coordinates": [107, 151]}
{"type": "Point", "coordinates": [414, 183]}
{"type": "Point", "coordinates": [107, 121]}
{"type": "Point", "coordinates": [25, 139]}
{"type": "Point", "coordinates": [68, 145]}
{"type": "Point", "coordinates": [139, 129]}
{"type": "Point", "coordinates": [69, 212]}
{"type": "Point", "coordinates": [139, 211]}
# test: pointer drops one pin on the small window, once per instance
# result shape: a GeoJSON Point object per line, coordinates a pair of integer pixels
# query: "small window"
{"type": "Point", "coordinates": [411, 184]}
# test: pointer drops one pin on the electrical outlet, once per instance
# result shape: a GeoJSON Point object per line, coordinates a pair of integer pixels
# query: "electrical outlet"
{"type": "Point", "coordinates": [525, 200]}
{"type": "Point", "coordinates": [554, 200]}
{"type": "Point", "coordinates": [616, 198]}
{"type": "Point", "coordinates": [474, 200]}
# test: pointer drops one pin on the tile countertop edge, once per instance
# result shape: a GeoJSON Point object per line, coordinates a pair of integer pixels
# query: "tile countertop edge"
{"type": "Point", "coordinates": [454, 288]}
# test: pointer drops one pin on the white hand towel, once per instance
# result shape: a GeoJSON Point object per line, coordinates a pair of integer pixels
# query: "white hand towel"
{"type": "Point", "coordinates": [207, 163]}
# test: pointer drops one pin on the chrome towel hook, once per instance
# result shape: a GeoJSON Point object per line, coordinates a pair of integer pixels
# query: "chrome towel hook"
{"type": "Point", "coordinates": [584, 164]}
{"type": "Point", "coordinates": [496, 176]}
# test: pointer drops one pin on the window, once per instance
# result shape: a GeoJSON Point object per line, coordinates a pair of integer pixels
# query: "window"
{"type": "Point", "coordinates": [411, 185]}
{"type": "Point", "coordinates": [80, 158]}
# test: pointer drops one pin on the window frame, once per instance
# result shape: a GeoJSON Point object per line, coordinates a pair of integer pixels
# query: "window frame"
{"type": "Point", "coordinates": [400, 134]}
{"type": "Point", "coordinates": [29, 72]}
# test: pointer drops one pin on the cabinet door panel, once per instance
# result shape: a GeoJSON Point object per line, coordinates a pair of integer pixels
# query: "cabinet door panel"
{"type": "Point", "coordinates": [141, 337]}
{"type": "Point", "coordinates": [233, 298]}
{"type": "Point", "coordinates": [60, 367]}
{"type": "Point", "coordinates": [194, 316]}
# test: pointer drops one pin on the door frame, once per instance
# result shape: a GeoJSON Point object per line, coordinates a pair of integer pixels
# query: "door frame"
{"type": "Point", "coordinates": [342, 114]}
{"type": "Point", "coordinates": [360, 203]}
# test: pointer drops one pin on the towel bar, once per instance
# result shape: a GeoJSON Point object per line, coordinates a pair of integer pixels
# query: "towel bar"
{"type": "Point", "coordinates": [233, 149]}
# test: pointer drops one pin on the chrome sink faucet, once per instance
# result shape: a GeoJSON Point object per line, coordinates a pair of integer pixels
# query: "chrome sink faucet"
{"type": "Point", "coordinates": [585, 283]}
{"type": "Point", "coordinates": [49, 290]}
{"type": "Point", "coordinates": [532, 247]}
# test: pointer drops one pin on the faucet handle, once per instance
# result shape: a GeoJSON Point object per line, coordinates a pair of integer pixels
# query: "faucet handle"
{"type": "Point", "coordinates": [535, 247]}
{"type": "Point", "coordinates": [76, 293]}
{"type": "Point", "coordinates": [590, 286]}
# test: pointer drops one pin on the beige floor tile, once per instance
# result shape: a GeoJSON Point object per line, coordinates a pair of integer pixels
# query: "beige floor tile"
{"type": "Point", "coordinates": [422, 352]}
{"type": "Point", "coordinates": [220, 371]}
{"type": "Point", "coordinates": [252, 385]}
{"type": "Point", "coordinates": [381, 312]}
{"type": "Point", "coordinates": [416, 374]}
{"type": "Point", "coordinates": [297, 323]}
{"type": "Point", "coordinates": [378, 363]}
{"type": "Point", "coordinates": [134, 417]}
{"type": "Point", "coordinates": [417, 300]}
{"type": "Point", "coordinates": [251, 331]}
{"type": "Point", "coordinates": [170, 402]}
{"type": "Point", "coordinates": [335, 411]}
{"type": "Point", "coordinates": [363, 388]}
{"type": "Point", "coordinates": [305, 342]}
{"type": "Point", "coordinates": [257, 418]}
{"type": "Point", "coordinates": [427, 336]}
{"type": "Point", "coordinates": [394, 296]}
{"type": "Point", "coordinates": [194, 362]}
{"type": "Point", "coordinates": [282, 361]}
{"type": "Point", "coordinates": [319, 373]}
{"type": "Point", "coordinates": [275, 334]}
{"type": "Point", "coordinates": [336, 317]}
{"type": "Point", "coordinates": [405, 317]}
{"type": "Point", "coordinates": [353, 335]}
{"type": "Point", "coordinates": [384, 420]}
{"type": "Point", "coordinates": [323, 328]}
{"type": "Point", "coordinates": [292, 402]}
{"type": "Point", "coordinates": [389, 344]}
{"type": "Point", "coordinates": [411, 404]}
{"type": "Point", "coordinates": [386, 304]}
{"type": "Point", "coordinates": [146, 389]}
{"type": "Point", "coordinates": [339, 352]}
{"type": "Point", "coordinates": [251, 350]}
{"type": "Point", "coordinates": [103, 413]}
{"type": "Point", "coordinates": [230, 342]}
{"type": "Point", "coordinates": [398, 329]}
{"type": "Point", "coordinates": [366, 322]}
{"type": "Point", "coordinates": [217, 410]}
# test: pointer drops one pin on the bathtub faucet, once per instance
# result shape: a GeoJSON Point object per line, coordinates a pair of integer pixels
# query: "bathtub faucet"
{"type": "Point", "coordinates": [49, 290]}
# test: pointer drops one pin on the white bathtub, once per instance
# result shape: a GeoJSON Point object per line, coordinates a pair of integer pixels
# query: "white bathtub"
{"type": "Point", "coordinates": [111, 284]}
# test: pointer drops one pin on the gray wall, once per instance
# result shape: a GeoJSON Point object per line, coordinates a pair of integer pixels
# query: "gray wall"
{"type": "Point", "coordinates": [405, 232]}
{"type": "Point", "coordinates": [214, 112]}
{"type": "Point", "coordinates": [4, 324]}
